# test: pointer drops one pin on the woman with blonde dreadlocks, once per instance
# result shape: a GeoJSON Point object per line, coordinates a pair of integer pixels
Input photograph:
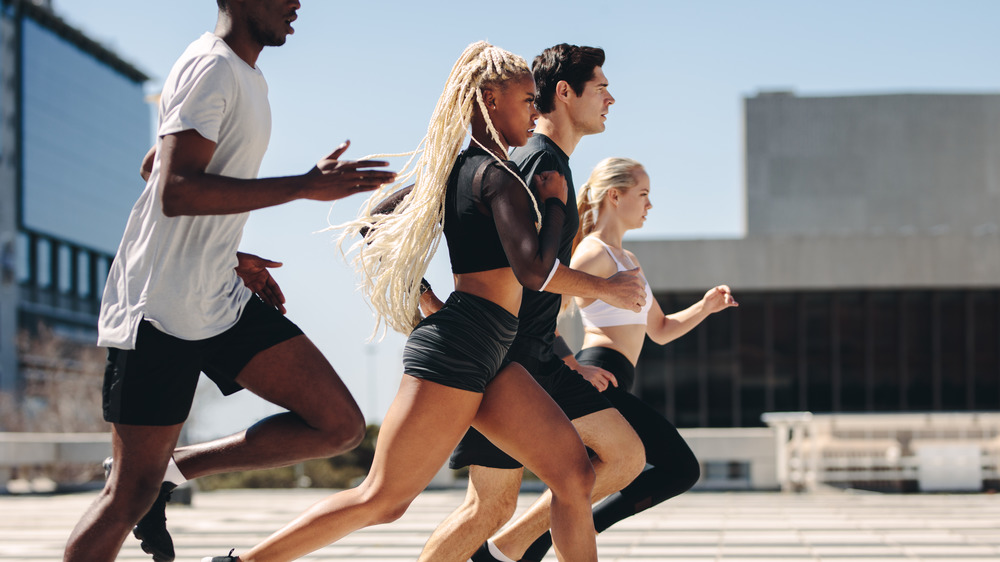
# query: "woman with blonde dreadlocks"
{"type": "Point", "coordinates": [455, 375]}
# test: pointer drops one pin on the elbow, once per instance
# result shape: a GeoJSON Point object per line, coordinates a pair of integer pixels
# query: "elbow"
{"type": "Point", "coordinates": [531, 280]}
{"type": "Point", "coordinates": [171, 201]}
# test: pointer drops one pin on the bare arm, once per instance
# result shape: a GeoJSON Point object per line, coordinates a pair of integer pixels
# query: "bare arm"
{"type": "Point", "coordinates": [663, 329]}
{"type": "Point", "coordinates": [146, 168]}
{"type": "Point", "coordinates": [187, 189]}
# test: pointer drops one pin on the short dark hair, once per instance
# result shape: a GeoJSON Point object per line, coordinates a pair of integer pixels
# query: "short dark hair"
{"type": "Point", "coordinates": [566, 62]}
{"type": "Point", "coordinates": [223, 4]}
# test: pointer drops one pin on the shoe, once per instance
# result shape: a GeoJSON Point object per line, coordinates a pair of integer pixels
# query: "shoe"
{"type": "Point", "coordinates": [228, 558]}
{"type": "Point", "coordinates": [151, 530]}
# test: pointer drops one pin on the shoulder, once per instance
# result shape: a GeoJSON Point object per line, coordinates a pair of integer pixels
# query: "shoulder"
{"type": "Point", "coordinates": [591, 257]}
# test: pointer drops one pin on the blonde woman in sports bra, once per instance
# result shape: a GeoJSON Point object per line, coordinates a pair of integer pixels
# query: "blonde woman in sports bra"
{"type": "Point", "coordinates": [614, 200]}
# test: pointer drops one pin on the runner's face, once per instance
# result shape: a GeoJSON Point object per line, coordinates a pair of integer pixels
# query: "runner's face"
{"type": "Point", "coordinates": [589, 110]}
{"type": "Point", "coordinates": [515, 114]}
{"type": "Point", "coordinates": [270, 21]}
{"type": "Point", "coordinates": [633, 203]}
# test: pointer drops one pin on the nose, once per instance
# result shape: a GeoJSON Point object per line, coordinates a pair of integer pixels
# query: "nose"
{"type": "Point", "coordinates": [611, 99]}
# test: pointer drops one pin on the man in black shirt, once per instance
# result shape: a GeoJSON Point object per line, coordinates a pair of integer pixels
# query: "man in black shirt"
{"type": "Point", "coordinates": [573, 99]}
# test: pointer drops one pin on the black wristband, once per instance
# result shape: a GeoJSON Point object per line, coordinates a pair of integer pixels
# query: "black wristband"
{"type": "Point", "coordinates": [560, 348]}
{"type": "Point", "coordinates": [424, 286]}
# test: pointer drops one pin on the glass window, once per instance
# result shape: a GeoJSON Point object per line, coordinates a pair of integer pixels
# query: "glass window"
{"type": "Point", "coordinates": [917, 381]}
{"type": "Point", "coordinates": [816, 310]}
{"type": "Point", "coordinates": [850, 355]}
{"type": "Point", "coordinates": [986, 350]}
{"type": "Point", "coordinates": [753, 358]}
{"type": "Point", "coordinates": [784, 321]}
{"type": "Point", "coordinates": [883, 336]}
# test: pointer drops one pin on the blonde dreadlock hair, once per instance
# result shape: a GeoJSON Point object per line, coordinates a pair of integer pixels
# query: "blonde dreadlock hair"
{"type": "Point", "coordinates": [402, 243]}
{"type": "Point", "coordinates": [610, 173]}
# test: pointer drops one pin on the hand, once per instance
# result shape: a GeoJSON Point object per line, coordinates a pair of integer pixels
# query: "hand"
{"type": "Point", "coordinates": [253, 271]}
{"type": "Point", "coordinates": [551, 184]}
{"type": "Point", "coordinates": [597, 376]}
{"type": "Point", "coordinates": [430, 303]}
{"type": "Point", "coordinates": [719, 298]}
{"type": "Point", "coordinates": [333, 178]}
{"type": "Point", "coordinates": [626, 289]}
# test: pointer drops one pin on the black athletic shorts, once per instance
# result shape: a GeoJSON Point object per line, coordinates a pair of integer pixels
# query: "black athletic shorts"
{"type": "Point", "coordinates": [609, 360]}
{"type": "Point", "coordinates": [154, 383]}
{"type": "Point", "coordinates": [463, 345]}
{"type": "Point", "coordinates": [568, 389]}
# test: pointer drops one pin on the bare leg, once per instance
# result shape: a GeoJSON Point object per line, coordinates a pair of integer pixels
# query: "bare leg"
{"type": "Point", "coordinates": [423, 425]}
{"type": "Point", "coordinates": [489, 503]}
{"type": "Point", "coordinates": [323, 418]}
{"type": "Point", "coordinates": [140, 454]}
{"type": "Point", "coordinates": [520, 418]}
{"type": "Point", "coordinates": [620, 458]}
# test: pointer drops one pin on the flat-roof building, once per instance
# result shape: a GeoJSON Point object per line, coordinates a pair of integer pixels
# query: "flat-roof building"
{"type": "Point", "coordinates": [869, 275]}
{"type": "Point", "coordinates": [74, 127]}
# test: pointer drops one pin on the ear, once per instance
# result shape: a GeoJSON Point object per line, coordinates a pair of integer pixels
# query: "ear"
{"type": "Point", "coordinates": [489, 98]}
{"type": "Point", "coordinates": [563, 90]}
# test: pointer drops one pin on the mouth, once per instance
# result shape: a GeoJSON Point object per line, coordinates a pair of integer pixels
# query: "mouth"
{"type": "Point", "coordinates": [288, 21]}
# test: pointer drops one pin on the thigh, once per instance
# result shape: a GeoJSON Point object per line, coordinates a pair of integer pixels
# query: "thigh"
{"type": "Point", "coordinates": [259, 328]}
{"type": "Point", "coordinates": [154, 383]}
{"type": "Point", "coordinates": [608, 434]}
{"type": "Point", "coordinates": [573, 393]}
{"type": "Point", "coordinates": [661, 440]}
{"type": "Point", "coordinates": [295, 375]}
{"type": "Point", "coordinates": [519, 417]}
{"type": "Point", "coordinates": [423, 424]}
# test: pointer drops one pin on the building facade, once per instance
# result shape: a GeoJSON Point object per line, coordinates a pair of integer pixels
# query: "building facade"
{"type": "Point", "coordinates": [869, 276]}
{"type": "Point", "coordinates": [74, 127]}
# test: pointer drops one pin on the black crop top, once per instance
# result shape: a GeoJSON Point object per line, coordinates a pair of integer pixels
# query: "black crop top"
{"type": "Point", "coordinates": [490, 221]}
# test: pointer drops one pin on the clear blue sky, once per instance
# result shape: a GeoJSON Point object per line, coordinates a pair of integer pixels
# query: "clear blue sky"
{"type": "Point", "coordinates": [371, 72]}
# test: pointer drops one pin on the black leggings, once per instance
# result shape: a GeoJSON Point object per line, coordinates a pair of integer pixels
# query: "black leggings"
{"type": "Point", "coordinates": [671, 467]}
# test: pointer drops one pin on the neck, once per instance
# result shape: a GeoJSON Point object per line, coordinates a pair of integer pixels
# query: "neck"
{"type": "Point", "coordinates": [483, 139]}
{"type": "Point", "coordinates": [557, 127]}
{"type": "Point", "coordinates": [610, 232]}
{"type": "Point", "coordinates": [238, 39]}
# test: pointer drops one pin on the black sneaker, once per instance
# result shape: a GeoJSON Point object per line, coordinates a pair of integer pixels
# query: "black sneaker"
{"type": "Point", "coordinates": [228, 558]}
{"type": "Point", "coordinates": [151, 530]}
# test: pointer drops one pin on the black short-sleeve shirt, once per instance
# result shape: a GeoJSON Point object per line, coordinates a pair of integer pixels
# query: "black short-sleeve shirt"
{"type": "Point", "coordinates": [540, 310]}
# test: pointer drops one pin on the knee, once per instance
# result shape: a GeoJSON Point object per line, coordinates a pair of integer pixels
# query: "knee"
{"type": "Point", "coordinates": [626, 455]}
{"type": "Point", "coordinates": [386, 510]}
{"type": "Point", "coordinates": [492, 511]}
{"type": "Point", "coordinates": [131, 499]}
{"type": "Point", "coordinates": [574, 479]}
{"type": "Point", "coordinates": [342, 434]}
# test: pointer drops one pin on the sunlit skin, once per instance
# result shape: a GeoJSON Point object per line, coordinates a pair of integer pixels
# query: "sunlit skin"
{"type": "Point", "coordinates": [621, 211]}
{"type": "Point", "coordinates": [418, 434]}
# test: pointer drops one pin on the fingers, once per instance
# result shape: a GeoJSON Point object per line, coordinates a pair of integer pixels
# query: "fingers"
{"type": "Point", "coordinates": [340, 150]}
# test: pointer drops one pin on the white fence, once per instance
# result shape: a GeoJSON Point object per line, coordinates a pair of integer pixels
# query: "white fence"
{"type": "Point", "coordinates": [931, 451]}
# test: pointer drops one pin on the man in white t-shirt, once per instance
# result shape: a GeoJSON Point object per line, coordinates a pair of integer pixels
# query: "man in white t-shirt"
{"type": "Point", "coordinates": [180, 299]}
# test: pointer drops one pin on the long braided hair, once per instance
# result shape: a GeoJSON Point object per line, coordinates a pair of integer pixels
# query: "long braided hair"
{"type": "Point", "coordinates": [397, 253]}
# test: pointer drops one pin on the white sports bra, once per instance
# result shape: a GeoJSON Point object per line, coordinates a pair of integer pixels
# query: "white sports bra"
{"type": "Point", "coordinates": [600, 314]}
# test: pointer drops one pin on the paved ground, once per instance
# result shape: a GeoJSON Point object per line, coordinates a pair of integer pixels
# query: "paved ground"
{"type": "Point", "coordinates": [859, 527]}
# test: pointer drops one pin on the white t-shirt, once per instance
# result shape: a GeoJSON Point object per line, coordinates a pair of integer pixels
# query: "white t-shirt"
{"type": "Point", "coordinates": [177, 272]}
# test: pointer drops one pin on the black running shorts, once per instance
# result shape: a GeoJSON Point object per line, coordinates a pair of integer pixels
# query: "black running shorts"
{"type": "Point", "coordinates": [154, 383]}
{"type": "Point", "coordinates": [568, 389]}
{"type": "Point", "coordinates": [463, 345]}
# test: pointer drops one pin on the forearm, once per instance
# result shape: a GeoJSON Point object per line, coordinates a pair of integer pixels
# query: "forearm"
{"type": "Point", "coordinates": [575, 283]}
{"type": "Point", "coordinates": [675, 325]}
{"type": "Point", "coordinates": [211, 194]}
